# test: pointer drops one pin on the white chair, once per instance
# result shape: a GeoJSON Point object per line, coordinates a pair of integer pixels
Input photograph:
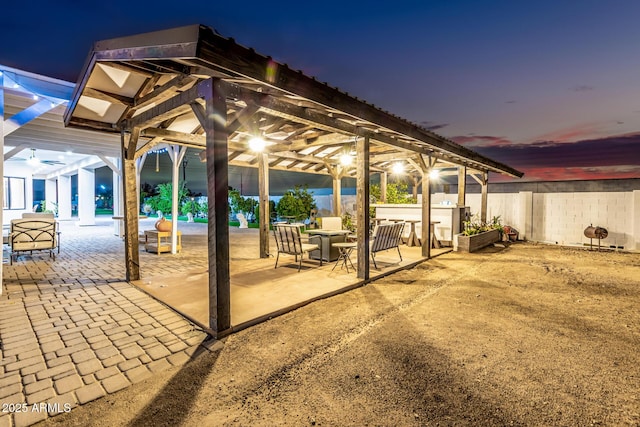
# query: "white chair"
{"type": "Point", "coordinates": [332, 223]}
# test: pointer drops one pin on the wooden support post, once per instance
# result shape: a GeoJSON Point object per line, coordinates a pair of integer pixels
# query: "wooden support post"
{"type": "Point", "coordinates": [139, 163]}
{"type": "Point", "coordinates": [462, 184]}
{"type": "Point", "coordinates": [483, 204]}
{"type": "Point", "coordinates": [337, 188]}
{"type": "Point", "coordinates": [425, 165]}
{"type": "Point", "coordinates": [176, 153]}
{"type": "Point", "coordinates": [128, 142]}
{"type": "Point", "coordinates": [263, 191]}
{"type": "Point", "coordinates": [414, 188]}
{"type": "Point", "coordinates": [426, 215]}
{"type": "Point", "coordinates": [383, 187]}
{"type": "Point", "coordinates": [213, 118]}
{"type": "Point", "coordinates": [362, 206]}
{"type": "Point", "coordinates": [2, 163]}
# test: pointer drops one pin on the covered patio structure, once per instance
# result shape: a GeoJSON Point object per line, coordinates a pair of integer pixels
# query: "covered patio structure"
{"type": "Point", "coordinates": [191, 87]}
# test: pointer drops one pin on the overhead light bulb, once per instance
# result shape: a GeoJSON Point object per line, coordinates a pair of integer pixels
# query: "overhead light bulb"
{"type": "Point", "coordinates": [398, 167]}
{"type": "Point", "coordinates": [257, 144]}
{"type": "Point", "coordinates": [33, 160]}
{"type": "Point", "coordinates": [346, 159]}
{"type": "Point", "coordinates": [434, 173]}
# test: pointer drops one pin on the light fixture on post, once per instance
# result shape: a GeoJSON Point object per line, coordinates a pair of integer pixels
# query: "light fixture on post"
{"type": "Point", "coordinates": [346, 159]}
{"type": "Point", "coordinates": [33, 160]}
{"type": "Point", "coordinates": [257, 144]}
{"type": "Point", "coordinates": [434, 174]}
{"type": "Point", "coordinates": [398, 168]}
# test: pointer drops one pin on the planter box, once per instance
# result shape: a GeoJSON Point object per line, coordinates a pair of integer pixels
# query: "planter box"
{"type": "Point", "coordinates": [475, 242]}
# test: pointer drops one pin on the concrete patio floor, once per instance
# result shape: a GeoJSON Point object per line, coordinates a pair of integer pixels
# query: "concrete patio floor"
{"type": "Point", "coordinates": [258, 290]}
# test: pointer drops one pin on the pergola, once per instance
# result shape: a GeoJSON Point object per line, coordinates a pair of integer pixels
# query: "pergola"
{"type": "Point", "coordinates": [191, 87]}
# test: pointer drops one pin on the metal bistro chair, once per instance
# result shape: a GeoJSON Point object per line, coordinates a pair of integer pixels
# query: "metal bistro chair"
{"type": "Point", "coordinates": [289, 241]}
{"type": "Point", "coordinates": [387, 236]}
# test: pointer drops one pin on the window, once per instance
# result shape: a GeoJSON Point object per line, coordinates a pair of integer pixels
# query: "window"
{"type": "Point", "coordinates": [14, 193]}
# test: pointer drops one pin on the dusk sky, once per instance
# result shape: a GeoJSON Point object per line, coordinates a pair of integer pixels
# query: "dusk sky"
{"type": "Point", "coordinates": [549, 87]}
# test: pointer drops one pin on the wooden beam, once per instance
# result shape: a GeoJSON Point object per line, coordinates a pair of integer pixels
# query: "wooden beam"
{"type": "Point", "coordinates": [107, 96]}
{"type": "Point", "coordinates": [9, 154]}
{"type": "Point", "coordinates": [110, 164]}
{"type": "Point", "coordinates": [177, 105]}
{"type": "Point", "coordinates": [154, 142]}
{"type": "Point", "coordinates": [384, 176]}
{"type": "Point", "coordinates": [242, 118]}
{"type": "Point", "coordinates": [362, 206]}
{"type": "Point", "coordinates": [148, 85]}
{"type": "Point", "coordinates": [163, 92]}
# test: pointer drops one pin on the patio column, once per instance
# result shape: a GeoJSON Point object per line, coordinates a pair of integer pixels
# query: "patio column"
{"type": "Point", "coordinates": [414, 188]}
{"type": "Point", "coordinates": [128, 143]}
{"type": "Point", "coordinates": [383, 187]}
{"type": "Point", "coordinates": [483, 205]}
{"type": "Point", "coordinates": [263, 209]}
{"type": "Point", "coordinates": [50, 194]}
{"type": "Point", "coordinates": [116, 194]}
{"type": "Point", "coordinates": [64, 197]}
{"type": "Point", "coordinates": [176, 153]}
{"type": "Point", "coordinates": [483, 180]}
{"type": "Point", "coordinates": [139, 163]}
{"type": "Point", "coordinates": [86, 197]}
{"type": "Point", "coordinates": [1, 163]}
{"type": "Point", "coordinates": [362, 206]}
{"type": "Point", "coordinates": [426, 164]}
{"type": "Point", "coordinates": [462, 185]}
{"type": "Point", "coordinates": [426, 215]}
{"type": "Point", "coordinates": [213, 119]}
{"type": "Point", "coordinates": [337, 189]}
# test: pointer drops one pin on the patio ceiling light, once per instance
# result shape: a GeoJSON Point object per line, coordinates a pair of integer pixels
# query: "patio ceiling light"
{"type": "Point", "coordinates": [398, 168]}
{"type": "Point", "coordinates": [33, 160]}
{"type": "Point", "coordinates": [257, 144]}
{"type": "Point", "coordinates": [346, 159]}
{"type": "Point", "coordinates": [434, 173]}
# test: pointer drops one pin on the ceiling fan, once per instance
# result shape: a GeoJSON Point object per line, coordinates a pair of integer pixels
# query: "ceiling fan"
{"type": "Point", "coordinates": [33, 160]}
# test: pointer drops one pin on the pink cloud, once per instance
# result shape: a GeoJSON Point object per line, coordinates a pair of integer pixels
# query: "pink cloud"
{"type": "Point", "coordinates": [475, 141]}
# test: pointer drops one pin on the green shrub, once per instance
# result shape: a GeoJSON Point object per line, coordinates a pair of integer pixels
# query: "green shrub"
{"type": "Point", "coordinates": [296, 203]}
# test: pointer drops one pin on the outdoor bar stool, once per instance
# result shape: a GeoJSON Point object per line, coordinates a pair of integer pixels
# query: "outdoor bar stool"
{"type": "Point", "coordinates": [413, 239]}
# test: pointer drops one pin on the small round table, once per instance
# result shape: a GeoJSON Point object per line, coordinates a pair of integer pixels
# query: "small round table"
{"type": "Point", "coordinates": [345, 249]}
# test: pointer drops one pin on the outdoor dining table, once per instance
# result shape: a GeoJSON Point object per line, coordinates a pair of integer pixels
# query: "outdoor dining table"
{"type": "Point", "coordinates": [435, 243]}
{"type": "Point", "coordinates": [413, 239]}
{"type": "Point", "coordinates": [328, 238]}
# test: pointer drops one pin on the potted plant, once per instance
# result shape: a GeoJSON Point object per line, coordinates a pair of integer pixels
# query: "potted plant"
{"type": "Point", "coordinates": [477, 235]}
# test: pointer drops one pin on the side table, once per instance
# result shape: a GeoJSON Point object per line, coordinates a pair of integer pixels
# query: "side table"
{"type": "Point", "coordinates": [160, 241]}
{"type": "Point", "coordinates": [345, 249]}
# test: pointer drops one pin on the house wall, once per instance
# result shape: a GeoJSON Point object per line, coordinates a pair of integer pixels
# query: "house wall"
{"type": "Point", "coordinates": [19, 171]}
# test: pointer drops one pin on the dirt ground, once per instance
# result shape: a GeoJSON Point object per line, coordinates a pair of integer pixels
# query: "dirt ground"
{"type": "Point", "coordinates": [526, 335]}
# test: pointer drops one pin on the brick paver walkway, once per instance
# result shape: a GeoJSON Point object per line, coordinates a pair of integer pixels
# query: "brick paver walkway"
{"type": "Point", "coordinates": [73, 330]}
